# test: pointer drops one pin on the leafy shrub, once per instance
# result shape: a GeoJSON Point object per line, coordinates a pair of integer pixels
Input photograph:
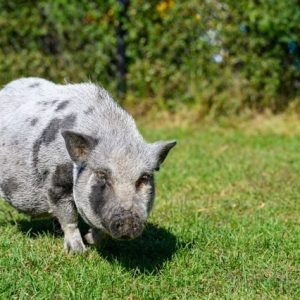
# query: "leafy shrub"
{"type": "Point", "coordinates": [224, 56]}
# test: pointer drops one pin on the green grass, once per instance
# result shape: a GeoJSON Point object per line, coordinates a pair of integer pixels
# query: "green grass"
{"type": "Point", "coordinates": [225, 225]}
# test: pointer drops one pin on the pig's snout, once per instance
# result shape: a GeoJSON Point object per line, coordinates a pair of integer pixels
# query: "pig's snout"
{"type": "Point", "coordinates": [126, 226]}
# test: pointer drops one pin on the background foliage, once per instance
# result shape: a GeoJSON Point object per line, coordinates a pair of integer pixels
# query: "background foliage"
{"type": "Point", "coordinates": [224, 56]}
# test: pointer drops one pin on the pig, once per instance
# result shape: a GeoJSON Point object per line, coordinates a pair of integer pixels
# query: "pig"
{"type": "Point", "coordinates": [68, 150]}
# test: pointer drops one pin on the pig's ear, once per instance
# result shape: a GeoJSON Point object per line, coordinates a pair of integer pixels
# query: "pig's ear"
{"type": "Point", "coordinates": [78, 145]}
{"type": "Point", "coordinates": [161, 150]}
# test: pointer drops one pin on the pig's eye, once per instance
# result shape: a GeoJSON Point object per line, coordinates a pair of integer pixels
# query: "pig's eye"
{"type": "Point", "coordinates": [101, 178]}
{"type": "Point", "coordinates": [143, 180]}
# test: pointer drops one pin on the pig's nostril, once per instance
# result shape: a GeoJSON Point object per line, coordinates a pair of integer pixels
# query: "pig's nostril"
{"type": "Point", "coordinates": [118, 225]}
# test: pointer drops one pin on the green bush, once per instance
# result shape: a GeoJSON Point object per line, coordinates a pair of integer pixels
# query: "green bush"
{"type": "Point", "coordinates": [224, 56]}
{"type": "Point", "coordinates": [262, 45]}
{"type": "Point", "coordinates": [58, 40]}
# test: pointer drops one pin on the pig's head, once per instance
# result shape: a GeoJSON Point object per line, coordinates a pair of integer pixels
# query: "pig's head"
{"type": "Point", "coordinates": [114, 181]}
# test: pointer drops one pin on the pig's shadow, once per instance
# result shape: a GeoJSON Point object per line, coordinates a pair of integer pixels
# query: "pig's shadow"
{"type": "Point", "coordinates": [146, 254]}
{"type": "Point", "coordinates": [35, 227]}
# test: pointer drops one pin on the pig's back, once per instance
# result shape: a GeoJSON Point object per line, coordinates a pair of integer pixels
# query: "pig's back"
{"type": "Point", "coordinates": [33, 113]}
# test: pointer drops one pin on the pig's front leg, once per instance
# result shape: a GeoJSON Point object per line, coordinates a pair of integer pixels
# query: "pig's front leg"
{"type": "Point", "coordinates": [95, 237]}
{"type": "Point", "coordinates": [64, 210]}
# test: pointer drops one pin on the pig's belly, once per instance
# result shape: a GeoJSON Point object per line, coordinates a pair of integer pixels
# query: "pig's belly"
{"type": "Point", "coordinates": [34, 204]}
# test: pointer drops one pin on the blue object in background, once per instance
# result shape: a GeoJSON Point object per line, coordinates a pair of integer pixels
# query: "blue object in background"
{"type": "Point", "coordinates": [293, 47]}
{"type": "Point", "coordinates": [296, 63]}
{"type": "Point", "coordinates": [243, 28]}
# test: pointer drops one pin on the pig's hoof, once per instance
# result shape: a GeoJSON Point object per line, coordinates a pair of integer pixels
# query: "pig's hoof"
{"type": "Point", "coordinates": [74, 246]}
{"type": "Point", "coordinates": [95, 237]}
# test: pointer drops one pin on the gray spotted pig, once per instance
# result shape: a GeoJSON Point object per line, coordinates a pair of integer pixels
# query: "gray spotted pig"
{"type": "Point", "coordinates": [69, 149]}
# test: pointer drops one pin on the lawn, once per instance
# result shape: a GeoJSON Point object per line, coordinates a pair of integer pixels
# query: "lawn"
{"type": "Point", "coordinates": [226, 224]}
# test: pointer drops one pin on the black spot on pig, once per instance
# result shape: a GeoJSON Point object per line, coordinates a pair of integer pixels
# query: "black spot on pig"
{"type": "Point", "coordinates": [63, 176]}
{"type": "Point", "coordinates": [33, 121]}
{"type": "Point", "coordinates": [43, 103]}
{"type": "Point", "coordinates": [48, 135]}
{"type": "Point", "coordinates": [34, 85]}
{"type": "Point", "coordinates": [99, 195]}
{"type": "Point", "coordinates": [44, 175]}
{"type": "Point", "coordinates": [50, 132]}
{"type": "Point", "coordinates": [53, 102]}
{"type": "Point", "coordinates": [61, 182]}
{"type": "Point", "coordinates": [9, 186]}
{"type": "Point", "coordinates": [62, 105]}
{"type": "Point", "coordinates": [47, 103]}
{"type": "Point", "coordinates": [89, 110]}
{"type": "Point", "coordinates": [69, 121]}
